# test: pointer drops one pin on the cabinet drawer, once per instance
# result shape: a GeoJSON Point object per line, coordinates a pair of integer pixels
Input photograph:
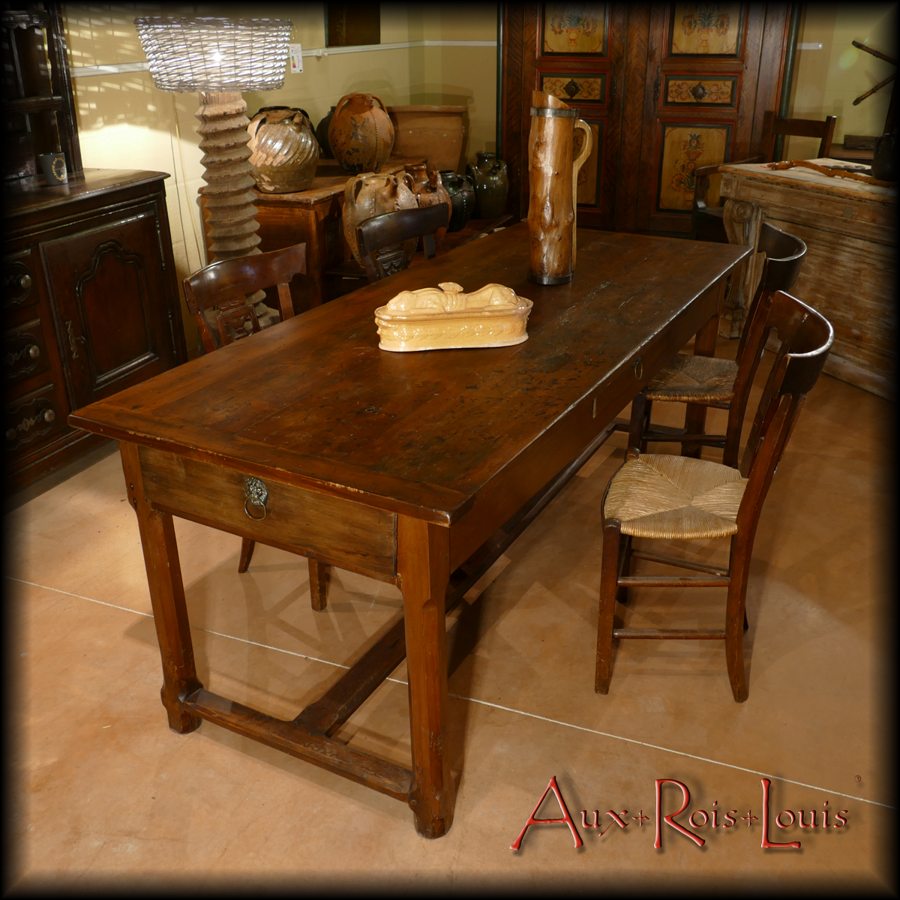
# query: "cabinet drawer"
{"type": "Point", "coordinates": [35, 418]}
{"type": "Point", "coordinates": [19, 282]}
{"type": "Point", "coordinates": [330, 528]}
{"type": "Point", "coordinates": [25, 352]}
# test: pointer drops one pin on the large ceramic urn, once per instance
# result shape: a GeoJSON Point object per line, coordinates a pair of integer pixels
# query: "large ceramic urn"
{"type": "Point", "coordinates": [370, 194]}
{"type": "Point", "coordinates": [284, 151]}
{"type": "Point", "coordinates": [361, 134]}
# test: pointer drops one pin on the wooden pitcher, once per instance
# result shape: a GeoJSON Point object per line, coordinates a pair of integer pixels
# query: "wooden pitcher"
{"type": "Point", "coordinates": [553, 180]}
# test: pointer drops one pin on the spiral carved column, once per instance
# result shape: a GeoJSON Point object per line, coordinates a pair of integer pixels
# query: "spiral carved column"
{"type": "Point", "coordinates": [230, 213]}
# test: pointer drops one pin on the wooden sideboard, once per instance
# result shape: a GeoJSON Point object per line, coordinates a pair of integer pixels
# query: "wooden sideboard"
{"type": "Point", "coordinates": [850, 271]}
{"type": "Point", "coordinates": [90, 303]}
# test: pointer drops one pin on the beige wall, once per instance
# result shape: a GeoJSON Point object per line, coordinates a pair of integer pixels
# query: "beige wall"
{"type": "Point", "coordinates": [830, 72]}
{"type": "Point", "coordinates": [444, 54]}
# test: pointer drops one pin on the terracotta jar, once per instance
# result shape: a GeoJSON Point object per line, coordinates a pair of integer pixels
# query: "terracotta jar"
{"type": "Point", "coordinates": [284, 151]}
{"type": "Point", "coordinates": [361, 134]}
{"type": "Point", "coordinates": [462, 198]}
{"type": "Point", "coordinates": [370, 194]}
{"type": "Point", "coordinates": [491, 184]}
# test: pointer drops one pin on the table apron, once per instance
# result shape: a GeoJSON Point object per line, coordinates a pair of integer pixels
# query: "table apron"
{"type": "Point", "coordinates": [564, 441]}
{"type": "Point", "coordinates": [312, 523]}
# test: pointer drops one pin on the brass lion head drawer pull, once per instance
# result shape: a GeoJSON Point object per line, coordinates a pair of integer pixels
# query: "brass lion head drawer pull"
{"type": "Point", "coordinates": [256, 495]}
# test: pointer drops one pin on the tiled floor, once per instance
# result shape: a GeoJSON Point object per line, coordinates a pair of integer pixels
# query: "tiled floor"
{"type": "Point", "coordinates": [105, 795]}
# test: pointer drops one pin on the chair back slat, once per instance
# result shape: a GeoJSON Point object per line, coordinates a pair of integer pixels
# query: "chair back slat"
{"type": "Point", "coordinates": [803, 339]}
{"type": "Point", "coordinates": [779, 127]}
{"type": "Point", "coordinates": [388, 241]}
{"type": "Point", "coordinates": [219, 295]}
{"type": "Point", "coordinates": [783, 256]}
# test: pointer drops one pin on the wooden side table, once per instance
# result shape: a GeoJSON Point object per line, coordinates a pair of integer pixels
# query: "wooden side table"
{"type": "Point", "coordinates": [850, 270]}
{"type": "Point", "coordinates": [313, 216]}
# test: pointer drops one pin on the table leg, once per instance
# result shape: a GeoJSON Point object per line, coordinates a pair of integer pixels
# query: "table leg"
{"type": "Point", "coordinates": [424, 569]}
{"type": "Point", "coordinates": [166, 596]}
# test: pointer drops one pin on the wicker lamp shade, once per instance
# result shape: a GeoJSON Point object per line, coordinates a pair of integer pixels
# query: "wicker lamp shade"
{"type": "Point", "coordinates": [219, 58]}
{"type": "Point", "coordinates": [203, 53]}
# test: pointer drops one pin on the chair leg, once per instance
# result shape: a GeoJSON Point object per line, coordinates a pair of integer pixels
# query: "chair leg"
{"type": "Point", "coordinates": [735, 627]}
{"type": "Point", "coordinates": [624, 566]}
{"type": "Point", "coordinates": [247, 546]}
{"type": "Point", "coordinates": [318, 574]}
{"type": "Point", "coordinates": [641, 408]}
{"type": "Point", "coordinates": [609, 580]}
{"type": "Point", "coordinates": [318, 584]}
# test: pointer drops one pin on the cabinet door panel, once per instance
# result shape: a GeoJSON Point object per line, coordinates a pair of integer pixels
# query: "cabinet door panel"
{"type": "Point", "coordinates": [106, 292]}
{"type": "Point", "coordinates": [574, 53]}
{"type": "Point", "coordinates": [665, 87]}
{"type": "Point", "coordinates": [709, 67]}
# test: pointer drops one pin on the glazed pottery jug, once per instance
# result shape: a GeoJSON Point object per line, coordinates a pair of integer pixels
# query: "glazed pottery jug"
{"type": "Point", "coordinates": [369, 194]}
{"type": "Point", "coordinates": [361, 133]}
{"type": "Point", "coordinates": [462, 198]}
{"type": "Point", "coordinates": [322, 134]}
{"type": "Point", "coordinates": [284, 151]}
{"type": "Point", "coordinates": [491, 182]}
{"type": "Point", "coordinates": [428, 187]}
{"type": "Point", "coordinates": [553, 178]}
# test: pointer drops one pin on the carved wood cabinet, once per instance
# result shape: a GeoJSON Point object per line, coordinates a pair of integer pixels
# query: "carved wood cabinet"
{"type": "Point", "coordinates": [91, 306]}
{"type": "Point", "coordinates": [664, 87]}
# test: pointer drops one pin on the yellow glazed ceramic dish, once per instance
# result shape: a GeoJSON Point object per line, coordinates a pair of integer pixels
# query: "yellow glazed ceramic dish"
{"type": "Point", "coordinates": [445, 317]}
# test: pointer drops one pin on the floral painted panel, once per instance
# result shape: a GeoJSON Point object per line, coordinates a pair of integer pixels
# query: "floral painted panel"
{"type": "Point", "coordinates": [575, 87]}
{"type": "Point", "coordinates": [706, 29]}
{"type": "Point", "coordinates": [705, 92]}
{"type": "Point", "coordinates": [685, 149]}
{"type": "Point", "coordinates": [574, 28]}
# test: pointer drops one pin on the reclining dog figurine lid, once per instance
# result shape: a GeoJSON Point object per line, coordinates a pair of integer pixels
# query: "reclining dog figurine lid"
{"type": "Point", "coordinates": [446, 317]}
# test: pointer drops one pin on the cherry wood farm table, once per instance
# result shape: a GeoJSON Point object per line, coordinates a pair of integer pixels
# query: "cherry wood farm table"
{"type": "Point", "coordinates": [413, 468]}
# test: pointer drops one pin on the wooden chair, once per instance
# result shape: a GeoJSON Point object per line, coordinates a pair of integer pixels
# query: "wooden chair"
{"type": "Point", "coordinates": [217, 295]}
{"type": "Point", "coordinates": [387, 242]}
{"type": "Point", "coordinates": [679, 499]}
{"type": "Point", "coordinates": [220, 298]}
{"type": "Point", "coordinates": [719, 382]}
{"type": "Point", "coordinates": [775, 129]}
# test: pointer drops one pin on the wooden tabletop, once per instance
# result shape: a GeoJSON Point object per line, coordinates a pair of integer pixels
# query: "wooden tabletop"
{"type": "Point", "coordinates": [314, 401]}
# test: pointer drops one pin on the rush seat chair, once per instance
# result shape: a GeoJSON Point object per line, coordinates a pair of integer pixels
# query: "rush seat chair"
{"type": "Point", "coordinates": [719, 382]}
{"type": "Point", "coordinates": [674, 499]}
{"type": "Point", "coordinates": [217, 296]}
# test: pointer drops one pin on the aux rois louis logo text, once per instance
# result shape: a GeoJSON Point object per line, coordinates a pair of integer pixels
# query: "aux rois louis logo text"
{"type": "Point", "coordinates": [674, 814]}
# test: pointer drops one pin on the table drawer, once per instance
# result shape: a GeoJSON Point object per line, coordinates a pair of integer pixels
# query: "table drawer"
{"type": "Point", "coordinates": [332, 529]}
